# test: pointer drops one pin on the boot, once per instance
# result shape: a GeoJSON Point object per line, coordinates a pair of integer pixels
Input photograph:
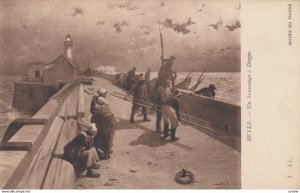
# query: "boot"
{"type": "Point", "coordinates": [173, 132]}
{"type": "Point", "coordinates": [166, 130]}
{"type": "Point", "coordinates": [158, 130]}
{"type": "Point", "coordinates": [145, 118]}
{"type": "Point", "coordinates": [92, 174]}
{"type": "Point", "coordinates": [158, 125]}
{"type": "Point", "coordinates": [132, 117]}
{"type": "Point", "coordinates": [107, 155]}
{"type": "Point", "coordinates": [95, 166]}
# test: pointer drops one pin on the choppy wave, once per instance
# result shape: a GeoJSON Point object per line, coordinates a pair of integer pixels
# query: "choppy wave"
{"type": "Point", "coordinates": [228, 84]}
{"type": "Point", "coordinates": [107, 69]}
{"type": "Point", "coordinates": [7, 112]}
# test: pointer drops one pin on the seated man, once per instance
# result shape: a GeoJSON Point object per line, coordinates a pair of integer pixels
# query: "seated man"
{"type": "Point", "coordinates": [82, 153]}
{"type": "Point", "coordinates": [208, 91]}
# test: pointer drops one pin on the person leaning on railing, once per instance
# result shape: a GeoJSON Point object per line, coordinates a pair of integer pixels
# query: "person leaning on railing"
{"type": "Point", "coordinates": [208, 91]}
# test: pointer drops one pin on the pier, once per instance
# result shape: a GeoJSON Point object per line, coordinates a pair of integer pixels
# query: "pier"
{"type": "Point", "coordinates": [31, 158]}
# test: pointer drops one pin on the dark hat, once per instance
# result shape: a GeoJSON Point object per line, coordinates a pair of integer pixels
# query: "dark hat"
{"type": "Point", "coordinates": [212, 86]}
{"type": "Point", "coordinates": [177, 93]}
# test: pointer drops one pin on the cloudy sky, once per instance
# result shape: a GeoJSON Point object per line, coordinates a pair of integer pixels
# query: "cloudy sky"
{"type": "Point", "coordinates": [202, 34]}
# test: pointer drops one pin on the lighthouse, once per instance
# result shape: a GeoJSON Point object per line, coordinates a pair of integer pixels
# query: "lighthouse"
{"type": "Point", "coordinates": [68, 46]}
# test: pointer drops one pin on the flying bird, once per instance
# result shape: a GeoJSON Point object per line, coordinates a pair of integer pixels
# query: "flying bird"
{"type": "Point", "coordinates": [100, 23]}
{"type": "Point", "coordinates": [233, 27]}
{"type": "Point", "coordinates": [77, 11]}
{"type": "Point", "coordinates": [178, 27]}
{"type": "Point", "coordinates": [217, 25]}
{"type": "Point", "coordinates": [118, 26]}
{"type": "Point", "coordinates": [147, 32]}
{"type": "Point", "coordinates": [126, 5]}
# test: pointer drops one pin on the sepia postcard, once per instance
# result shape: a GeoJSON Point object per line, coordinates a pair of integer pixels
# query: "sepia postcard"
{"type": "Point", "coordinates": [149, 94]}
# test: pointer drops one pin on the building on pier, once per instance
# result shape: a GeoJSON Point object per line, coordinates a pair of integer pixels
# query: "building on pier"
{"type": "Point", "coordinates": [60, 71]}
{"type": "Point", "coordinates": [63, 69]}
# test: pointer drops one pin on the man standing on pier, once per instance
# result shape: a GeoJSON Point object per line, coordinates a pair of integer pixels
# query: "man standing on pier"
{"type": "Point", "coordinates": [147, 77]}
{"type": "Point", "coordinates": [140, 99]}
{"type": "Point", "coordinates": [163, 92]}
{"type": "Point", "coordinates": [130, 78]}
{"type": "Point", "coordinates": [170, 113]}
{"type": "Point", "coordinates": [166, 71]}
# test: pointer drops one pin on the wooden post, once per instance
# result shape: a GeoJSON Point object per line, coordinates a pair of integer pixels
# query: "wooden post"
{"type": "Point", "coordinates": [69, 131]}
{"type": "Point", "coordinates": [61, 175]}
{"type": "Point", "coordinates": [69, 107]}
{"type": "Point", "coordinates": [16, 146]}
{"type": "Point", "coordinates": [80, 105]}
{"type": "Point", "coordinates": [47, 110]}
{"type": "Point", "coordinates": [72, 111]}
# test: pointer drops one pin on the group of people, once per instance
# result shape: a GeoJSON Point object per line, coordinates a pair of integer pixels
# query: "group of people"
{"type": "Point", "coordinates": [166, 101]}
{"type": "Point", "coordinates": [96, 142]}
{"type": "Point", "coordinates": [132, 79]}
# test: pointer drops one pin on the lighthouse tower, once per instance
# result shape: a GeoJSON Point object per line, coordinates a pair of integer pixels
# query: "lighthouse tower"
{"type": "Point", "coordinates": [68, 46]}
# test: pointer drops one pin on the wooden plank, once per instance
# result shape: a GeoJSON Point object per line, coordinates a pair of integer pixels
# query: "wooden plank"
{"type": "Point", "coordinates": [72, 111]}
{"type": "Point", "coordinates": [61, 90]}
{"type": "Point", "coordinates": [16, 146]}
{"type": "Point", "coordinates": [17, 124]}
{"type": "Point", "coordinates": [68, 132]}
{"type": "Point", "coordinates": [35, 173]}
{"type": "Point", "coordinates": [80, 105]}
{"type": "Point", "coordinates": [9, 160]}
{"type": "Point", "coordinates": [30, 121]}
{"type": "Point", "coordinates": [47, 110]}
{"type": "Point", "coordinates": [27, 133]}
{"type": "Point", "coordinates": [61, 175]}
{"type": "Point", "coordinates": [67, 108]}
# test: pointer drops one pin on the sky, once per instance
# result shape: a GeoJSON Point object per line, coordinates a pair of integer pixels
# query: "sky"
{"type": "Point", "coordinates": [203, 35]}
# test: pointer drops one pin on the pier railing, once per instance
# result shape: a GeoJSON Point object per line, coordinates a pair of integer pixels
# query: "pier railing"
{"type": "Point", "coordinates": [41, 166]}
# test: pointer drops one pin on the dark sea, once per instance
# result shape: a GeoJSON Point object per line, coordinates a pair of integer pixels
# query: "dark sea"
{"type": "Point", "coordinates": [228, 87]}
{"type": "Point", "coordinates": [7, 113]}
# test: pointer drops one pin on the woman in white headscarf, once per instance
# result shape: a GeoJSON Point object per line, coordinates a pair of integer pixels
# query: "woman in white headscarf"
{"type": "Point", "coordinates": [105, 122]}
